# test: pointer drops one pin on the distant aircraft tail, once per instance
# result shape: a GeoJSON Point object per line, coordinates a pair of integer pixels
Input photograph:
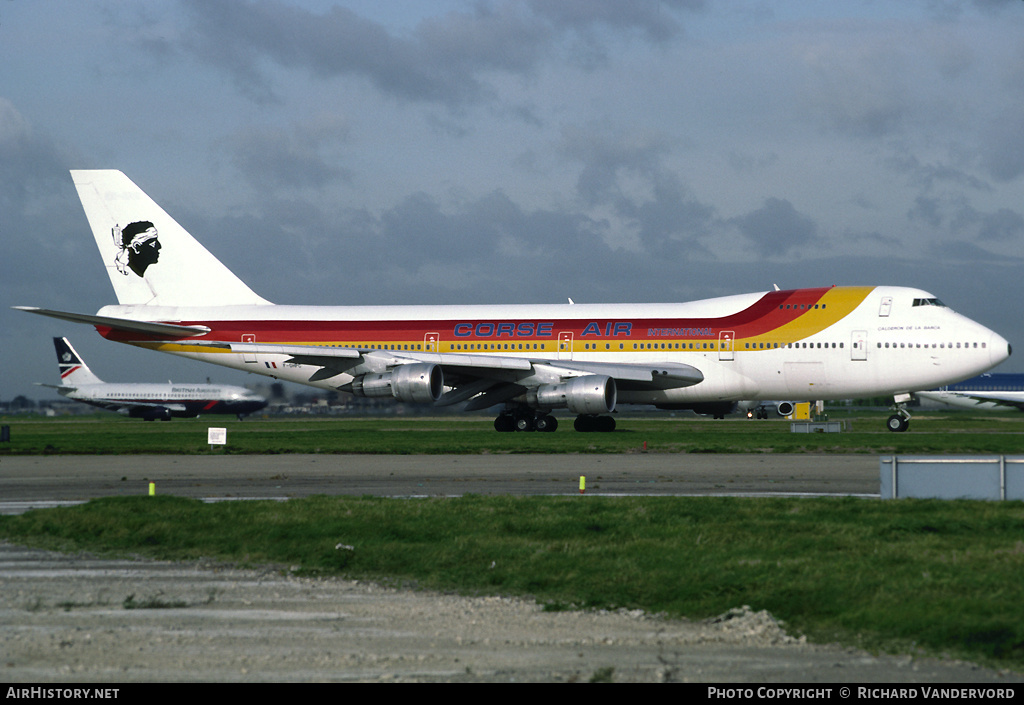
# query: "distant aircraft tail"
{"type": "Point", "coordinates": [73, 372]}
{"type": "Point", "coordinates": [150, 259]}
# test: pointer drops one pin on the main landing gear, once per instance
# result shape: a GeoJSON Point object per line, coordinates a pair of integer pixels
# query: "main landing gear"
{"type": "Point", "coordinates": [900, 420]}
{"type": "Point", "coordinates": [526, 419]}
{"type": "Point", "coordinates": [586, 423]}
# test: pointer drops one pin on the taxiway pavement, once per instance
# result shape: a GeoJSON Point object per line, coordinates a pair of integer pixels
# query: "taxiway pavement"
{"type": "Point", "coordinates": [34, 481]}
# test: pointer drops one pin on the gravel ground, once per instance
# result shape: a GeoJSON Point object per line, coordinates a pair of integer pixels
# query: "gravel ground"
{"type": "Point", "coordinates": [83, 619]}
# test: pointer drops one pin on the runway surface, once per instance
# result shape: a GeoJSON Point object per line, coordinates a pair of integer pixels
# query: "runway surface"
{"type": "Point", "coordinates": [37, 481]}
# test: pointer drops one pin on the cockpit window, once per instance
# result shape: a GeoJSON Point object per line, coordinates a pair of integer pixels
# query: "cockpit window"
{"type": "Point", "coordinates": [928, 302]}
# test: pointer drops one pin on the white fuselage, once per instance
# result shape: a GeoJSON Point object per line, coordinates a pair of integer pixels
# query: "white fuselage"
{"type": "Point", "coordinates": [833, 343]}
{"type": "Point", "coordinates": [179, 399]}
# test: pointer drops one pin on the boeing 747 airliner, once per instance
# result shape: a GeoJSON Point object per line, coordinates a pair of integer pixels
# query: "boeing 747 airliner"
{"type": "Point", "coordinates": [823, 343]}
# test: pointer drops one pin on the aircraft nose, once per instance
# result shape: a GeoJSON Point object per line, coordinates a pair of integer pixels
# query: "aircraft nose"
{"type": "Point", "coordinates": [999, 349]}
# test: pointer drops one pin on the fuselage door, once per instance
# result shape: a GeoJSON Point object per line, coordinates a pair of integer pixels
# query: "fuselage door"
{"type": "Point", "coordinates": [885, 307]}
{"type": "Point", "coordinates": [431, 342]}
{"type": "Point", "coordinates": [726, 343]}
{"type": "Point", "coordinates": [248, 356]}
{"type": "Point", "coordinates": [565, 345]}
{"type": "Point", "coordinates": [859, 345]}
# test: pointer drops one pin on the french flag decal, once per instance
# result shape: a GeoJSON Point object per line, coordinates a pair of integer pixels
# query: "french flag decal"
{"type": "Point", "coordinates": [272, 365]}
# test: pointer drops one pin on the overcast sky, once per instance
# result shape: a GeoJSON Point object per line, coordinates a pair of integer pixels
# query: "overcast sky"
{"type": "Point", "coordinates": [505, 151]}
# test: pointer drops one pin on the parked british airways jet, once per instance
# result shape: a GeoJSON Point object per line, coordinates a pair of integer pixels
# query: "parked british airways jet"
{"type": "Point", "coordinates": [988, 391]}
{"type": "Point", "coordinates": [148, 401]}
{"type": "Point", "coordinates": [831, 342]}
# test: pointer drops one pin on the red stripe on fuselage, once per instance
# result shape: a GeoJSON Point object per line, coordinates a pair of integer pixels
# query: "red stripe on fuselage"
{"type": "Point", "coordinates": [767, 314]}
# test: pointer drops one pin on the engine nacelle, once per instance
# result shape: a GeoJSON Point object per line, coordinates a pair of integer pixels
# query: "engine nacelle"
{"type": "Point", "coordinates": [785, 408]}
{"type": "Point", "coordinates": [148, 413]}
{"type": "Point", "coordinates": [420, 382]}
{"type": "Point", "coordinates": [590, 394]}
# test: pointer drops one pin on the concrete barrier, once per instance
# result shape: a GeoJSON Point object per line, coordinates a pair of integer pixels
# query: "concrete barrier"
{"type": "Point", "coordinates": [817, 426]}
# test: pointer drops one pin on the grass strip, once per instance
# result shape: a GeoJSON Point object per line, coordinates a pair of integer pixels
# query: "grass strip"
{"type": "Point", "coordinates": [109, 434]}
{"type": "Point", "coordinates": [941, 577]}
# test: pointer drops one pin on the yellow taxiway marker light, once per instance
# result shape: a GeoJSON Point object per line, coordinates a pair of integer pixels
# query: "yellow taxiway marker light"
{"type": "Point", "coordinates": [152, 489]}
{"type": "Point", "coordinates": [583, 483]}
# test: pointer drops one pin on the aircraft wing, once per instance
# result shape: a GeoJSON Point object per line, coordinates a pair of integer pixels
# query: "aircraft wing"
{"type": "Point", "coordinates": [655, 375]}
{"type": "Point", "coordinates": [495, 378]}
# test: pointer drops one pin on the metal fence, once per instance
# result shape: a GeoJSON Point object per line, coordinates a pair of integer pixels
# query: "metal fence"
{"type": "Point", "coordinates": [995, 477]}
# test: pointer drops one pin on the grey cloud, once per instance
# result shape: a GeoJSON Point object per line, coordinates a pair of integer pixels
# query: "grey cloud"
{"type": "Point", "coordinates": [1003, 225]}
{"type": "Point", "coordinates": [777, 228]}
{"type": "Point", "coordinates": [649, 16]}
{"type": "Point", "coordinates": [672, 223]}
{"type": "Point", "coordinates": [926, 209]}
{"type": "Point", "coordinates": [491, 229]}
{"type": "Point", "coordinates": [273, 158]}
{"type": "Point", "coordinates": [965, 252]}
{"type": "Point", "coordinates": [857, 85]}
{"type": "Point", "coordinates": [1002, 150]}
{"type": "Point", "coordinates": [30, 164]}
{"type": "Point", "coordinates": [605, 154]}
{"type": "Point", "coordinates": [962, 219]}
{"type": "Point", "coordinates": [487, 250]}
{"type": "Point", "coordinates": [38, 210]}
{"type": "Point", "coordinates": [668, 219]}
{"type": "Point", "coordinates": [238, 36]}
{"type": "Point", "coordinates": [445, 59]}
{"type": "Point", "coordinates": [929, 176]}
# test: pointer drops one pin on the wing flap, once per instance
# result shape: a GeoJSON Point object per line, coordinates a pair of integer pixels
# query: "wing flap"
{"type": "Point", "coordinates": [653, 375]}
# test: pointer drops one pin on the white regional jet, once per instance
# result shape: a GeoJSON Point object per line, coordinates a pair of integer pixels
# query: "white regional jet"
{"type": "Point", "coordinates": [824, 343]}
{"type": "Point", "coordinates": [148, 401]}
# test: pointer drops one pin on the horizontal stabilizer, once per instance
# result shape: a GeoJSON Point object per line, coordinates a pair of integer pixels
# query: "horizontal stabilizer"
{"type": "Point", "coordinates": [125, 324]}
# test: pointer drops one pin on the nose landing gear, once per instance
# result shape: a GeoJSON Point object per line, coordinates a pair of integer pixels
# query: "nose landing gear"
{"type": "Point", "coordinates": [899, 421]}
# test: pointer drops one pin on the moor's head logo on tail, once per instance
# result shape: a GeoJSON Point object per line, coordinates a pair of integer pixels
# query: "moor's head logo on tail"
{"type": "Point", "coordinates": [138, 246]}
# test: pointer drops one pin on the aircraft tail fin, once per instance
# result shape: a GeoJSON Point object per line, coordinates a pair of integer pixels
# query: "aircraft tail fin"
{"type": "Point", "coordinates": [73, 371]}
{"type": "Point", "coordinates": [150, 258]}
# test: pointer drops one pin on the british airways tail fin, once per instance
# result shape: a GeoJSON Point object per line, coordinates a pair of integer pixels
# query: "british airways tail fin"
{"type": "Point", "coordinates": [73, 372]}
{"type": "Point", "coordinates": [150, 259]}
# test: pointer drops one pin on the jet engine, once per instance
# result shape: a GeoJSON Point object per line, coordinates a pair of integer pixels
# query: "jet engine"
{"type": "Point", "coordinates": [150, 413]}
{"type": "Point", "coordinates": [590, 394]}
{"type": "Point", "coordinates": [784, 408]}
{"type": "Point", "coordinates": [762, 409]}
{"type": "Point", "coordinates": [420, 382]}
